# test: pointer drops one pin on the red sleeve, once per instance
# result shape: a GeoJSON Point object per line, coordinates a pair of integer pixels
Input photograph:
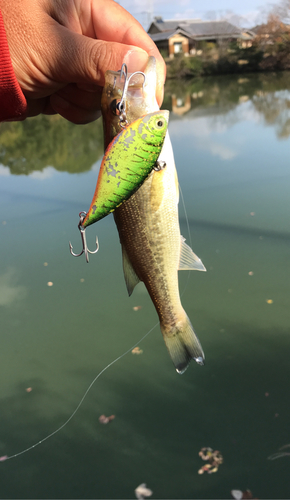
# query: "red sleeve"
{"type": "Point", "coordinates": [13, 104]}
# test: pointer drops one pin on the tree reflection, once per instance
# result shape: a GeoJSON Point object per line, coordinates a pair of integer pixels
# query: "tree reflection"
{"type": "Point", "coordinates": [50, 141]}
{"type": "Point", "coordinates": [269, 94]}
{"type": "Point", "coordinates": [275, 109]}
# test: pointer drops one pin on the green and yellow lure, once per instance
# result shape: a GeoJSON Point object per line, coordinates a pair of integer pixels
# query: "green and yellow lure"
{"type": "Point", "coordinates": [127, 162]}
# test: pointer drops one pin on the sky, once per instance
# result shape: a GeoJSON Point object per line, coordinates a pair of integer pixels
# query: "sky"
{"type": "Point", "coordinates": [245, 13]}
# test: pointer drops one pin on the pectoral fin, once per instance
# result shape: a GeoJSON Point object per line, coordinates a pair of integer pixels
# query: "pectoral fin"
{"type": "Point", "coordinates": [188, 259]}
{"type": "Point", "coordinates": [130, 276]}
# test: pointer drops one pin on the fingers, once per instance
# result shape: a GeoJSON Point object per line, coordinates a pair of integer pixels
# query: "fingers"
{"type": "Point", "coordinates": [78, 105]}
{"type": "Point", "coordinates": [73, 112]}
{"type": "Point", "coordinates": [112, 36]}
{"type": "Point", "coordinates": [56, 42]}
{"type": "Point", "coordinates": [82, 59]}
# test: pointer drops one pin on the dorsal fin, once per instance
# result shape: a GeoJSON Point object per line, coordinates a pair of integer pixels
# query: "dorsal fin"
{"type": "Point", "coordinates": [130, 276]}
{"type": "Point", "coordinates": [188, 259]}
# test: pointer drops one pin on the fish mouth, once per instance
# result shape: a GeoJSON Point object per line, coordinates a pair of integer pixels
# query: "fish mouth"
{"type": "Point", "coordinates": [200, 360]}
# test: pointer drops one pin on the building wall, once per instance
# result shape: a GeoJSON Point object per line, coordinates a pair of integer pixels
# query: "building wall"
{"type": "Point", "coordinates": [178, 39]}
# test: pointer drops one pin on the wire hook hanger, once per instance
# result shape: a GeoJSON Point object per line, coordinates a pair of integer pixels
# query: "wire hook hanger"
{"type": "Point", "coordinates": [121, 106]}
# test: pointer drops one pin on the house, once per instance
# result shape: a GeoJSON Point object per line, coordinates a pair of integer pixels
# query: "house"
{"type": "Point", "coordinates": [188, 36]}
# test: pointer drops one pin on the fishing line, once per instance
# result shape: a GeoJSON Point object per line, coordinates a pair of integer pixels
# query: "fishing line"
{"type": "Point", "coordinates": [102, 371]}
{"type": "Point", "coordinates": [81, 401]}
{"type": "Point", "coordinates": [189, 236]}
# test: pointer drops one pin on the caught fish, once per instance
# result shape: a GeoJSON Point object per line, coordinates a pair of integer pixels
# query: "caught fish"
{"type": "Point", "coordinates": [128, 160]}
{"type": "Point", "coordinates": [152, 247]}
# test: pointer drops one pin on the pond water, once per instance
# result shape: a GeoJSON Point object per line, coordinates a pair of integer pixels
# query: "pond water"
{"type": "Point", "coordinates": [231, 138]}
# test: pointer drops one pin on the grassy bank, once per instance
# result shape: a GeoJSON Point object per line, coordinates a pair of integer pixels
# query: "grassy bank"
{"type": "Point", "coordinates": [231, 59]}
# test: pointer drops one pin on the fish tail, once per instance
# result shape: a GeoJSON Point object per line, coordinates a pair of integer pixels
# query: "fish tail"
{"type": "Point", "coordinates": [183, 345]}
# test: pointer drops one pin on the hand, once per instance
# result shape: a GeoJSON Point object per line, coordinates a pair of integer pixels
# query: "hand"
{"type": "Point", "coordinates": [61, 49]}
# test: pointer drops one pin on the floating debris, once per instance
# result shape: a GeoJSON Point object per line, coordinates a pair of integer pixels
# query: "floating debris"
{"type": "Point", "coordinates": [252, 214]}
{"type": "Point", "coordinates": [4, 222]}
{"type": "Point", "coordinates": [105, 420]}
{"type": "Point", "coordinates": [50, 283]}
{"type": "Point", "coordinates": [215, 459]}
{"type": "Point", "coordinates": [250, 273]}
{"type": "Point", "coordinates": [45, 264]}
{"type": "Point", "coordinates": [137, 308]}
{"type": "Point", "coordinates": [267, 394]}
{"type": "Point", "coordinates": [242, 495]}
{"type": "Point", "coordinates": [3, 458]}
{"type": "Point", "coordinates": [269, 301]}
{"type": "Point", "coordinates": [28, 389]}
{"type": "Point", "coordinates": [142, 491]}
{"type": "Point", "coordinates": [82, 280]}
{"type": "Point", "coordinates": [136, 350]}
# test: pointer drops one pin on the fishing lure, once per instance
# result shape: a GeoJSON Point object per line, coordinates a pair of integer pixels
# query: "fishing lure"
{"type": "Point", "coordinates": [127, 162]}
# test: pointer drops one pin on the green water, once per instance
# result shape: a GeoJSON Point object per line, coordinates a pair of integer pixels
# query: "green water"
{"type": "Point", "coordinates": [232, 150]}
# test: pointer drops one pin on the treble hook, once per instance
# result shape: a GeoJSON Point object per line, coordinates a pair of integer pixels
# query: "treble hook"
{"type": "Point", "coordinates": [82, 230]}
{"type": "Point", "coordinates": [121, 106]}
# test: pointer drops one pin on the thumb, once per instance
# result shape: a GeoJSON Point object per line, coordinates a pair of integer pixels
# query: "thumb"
{"type": "Point", "coordinates": [80, 59]}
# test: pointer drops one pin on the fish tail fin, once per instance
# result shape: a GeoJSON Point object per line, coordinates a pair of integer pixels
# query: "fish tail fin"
{"type": "Point", "coordinates": [182, 344]}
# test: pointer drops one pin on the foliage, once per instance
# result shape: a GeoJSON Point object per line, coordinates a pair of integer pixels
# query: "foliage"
{"type": "Point", "coordinates": [49, 141]}
{"type": "Point", "coordinates": [183, 67]}
{"type": "Point", "coordinates": [220, 94]}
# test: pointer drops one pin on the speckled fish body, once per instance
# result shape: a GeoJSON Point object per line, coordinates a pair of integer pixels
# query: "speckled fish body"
{"type": "Point", "coordinates": [128, 160]}
{"type": "Point", "coordinates": [152, 247]}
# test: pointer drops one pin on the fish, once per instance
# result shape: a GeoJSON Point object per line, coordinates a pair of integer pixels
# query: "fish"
{"type": "Point", "coordinates": [128, 160]}
{"type": "Point", "coordinates": [153, 249]}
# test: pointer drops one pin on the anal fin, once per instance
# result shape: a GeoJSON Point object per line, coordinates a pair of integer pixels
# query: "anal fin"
{"type": "Point", "coordinates": [130, 276]}
{"type": "Point", "coordinates": [188, 259]}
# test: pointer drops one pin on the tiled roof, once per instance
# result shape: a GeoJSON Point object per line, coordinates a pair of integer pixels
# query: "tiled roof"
{"type": "Point", "coordinates": [198, 29]}
{"type": "Point", "coordinates": [165, 35]}
{"type": "Point", "coordinates": [171, 24]}
{"type": "Point", "coordinates": [211, 28]}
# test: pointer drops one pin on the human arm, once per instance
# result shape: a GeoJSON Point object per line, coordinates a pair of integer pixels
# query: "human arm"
{"type": "Point", "coordinates": [12, 101]}
{"type": "Point", "coordinates": [61, 49]}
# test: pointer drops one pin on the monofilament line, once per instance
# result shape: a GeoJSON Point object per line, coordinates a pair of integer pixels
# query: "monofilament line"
{"type": "Point", "coordinates": [189, 236]}
{"type": "Point", "coordinates": [81, 401]}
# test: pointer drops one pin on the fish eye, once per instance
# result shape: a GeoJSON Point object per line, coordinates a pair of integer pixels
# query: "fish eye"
{"type": "Point", "coordinates": [115, 107]}
{"type": "Point", "coordinates": [160, 123]}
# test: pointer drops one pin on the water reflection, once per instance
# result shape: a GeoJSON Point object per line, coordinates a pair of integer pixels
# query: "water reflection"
{"type": "Point", "coordinates": [269, 95]}
{"type": "Point", "coordinates": [10, 291]}
{"type": "Point", "coordinates": [45, 141]}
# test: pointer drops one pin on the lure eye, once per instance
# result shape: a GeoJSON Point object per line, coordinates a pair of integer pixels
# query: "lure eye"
{"type": "Point", "coordinates": [160, 123]}
{"type": "Point", "coordinates": [116, 108]}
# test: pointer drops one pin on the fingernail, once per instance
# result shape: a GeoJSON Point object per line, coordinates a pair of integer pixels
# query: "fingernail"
{"type": "Point", "coordinates": [136, 60]}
